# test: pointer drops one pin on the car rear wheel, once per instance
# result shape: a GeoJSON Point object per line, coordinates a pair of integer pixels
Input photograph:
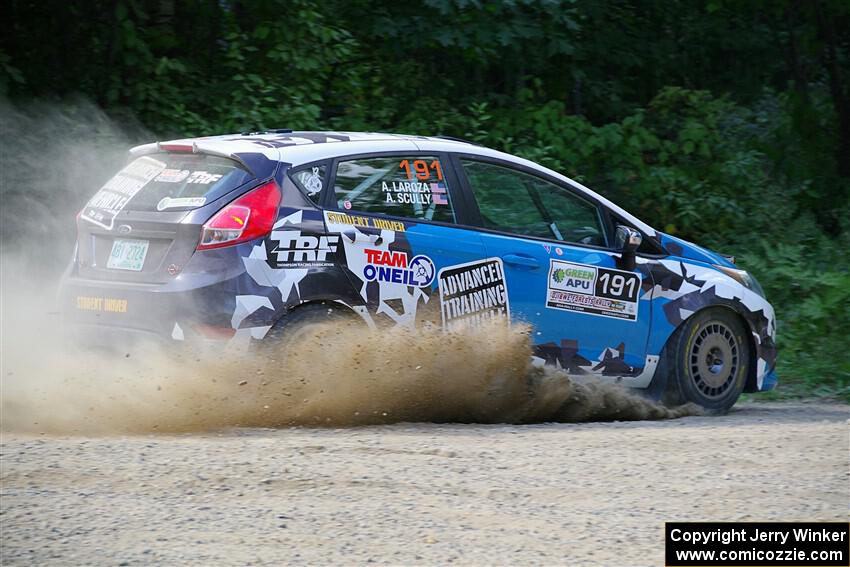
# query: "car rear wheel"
{"type": "Point", "coordinates": [295, 331]}
{"type": "Point", "coordinates": [707, 361]}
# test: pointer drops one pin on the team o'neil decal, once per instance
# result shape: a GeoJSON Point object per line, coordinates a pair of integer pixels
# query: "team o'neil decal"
{"type": "Point", "coordinates": [473, 294]}
{"type": "Point", "coordinates": [592, 290]}
{"type": "Point", "coordinates": [395, 266]}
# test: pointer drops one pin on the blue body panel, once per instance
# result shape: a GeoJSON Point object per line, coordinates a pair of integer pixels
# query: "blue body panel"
{"type": "Point", "coordinates": [558, 328]}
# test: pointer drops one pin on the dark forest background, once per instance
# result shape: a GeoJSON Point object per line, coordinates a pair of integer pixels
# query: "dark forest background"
{"type": "Point", "coordinates": [726, 122]}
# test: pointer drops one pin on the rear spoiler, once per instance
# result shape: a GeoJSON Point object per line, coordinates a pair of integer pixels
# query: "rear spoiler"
{"type": "Point", "coordinates": [255, 162]}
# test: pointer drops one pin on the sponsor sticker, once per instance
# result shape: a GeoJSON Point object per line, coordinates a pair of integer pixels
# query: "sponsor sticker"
{"type": "Point", "coordinates": [172, 175]}
{"type": "Point", "coordinates": [174, 202]}
{"type": "Point", "coordinates": [106, 304]}
{"type": "Point", "coordinates": [596, 291]}
{"type": "Point", "coordinates": [391, 266]}
{"type": "Point", "coordinates": [313, 182]}
{"type": "Point", "coordinates": [204, 177]}
{"type": "Point", "coordinates": [364, 222]}
{"type": "Point", "coordinates": [297, 250]}
{"type": "Point", "coordinates": [114, 196]}
{"type": "Point", "coordinates": [473, 294]}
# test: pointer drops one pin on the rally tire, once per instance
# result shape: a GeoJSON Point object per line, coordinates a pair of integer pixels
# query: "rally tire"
{"type": "Point", "coordinates": [299, 323]}
{"type": "Point", "coordinates": [707, 360]}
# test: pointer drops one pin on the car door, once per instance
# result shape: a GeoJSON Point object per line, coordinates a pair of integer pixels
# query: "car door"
{"type": "Point", "coordinates": [398, 216]}
{"type": "Point", "coordinates": [562, 277]}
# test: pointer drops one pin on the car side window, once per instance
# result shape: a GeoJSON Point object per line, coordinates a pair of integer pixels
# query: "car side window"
{"type": "Point", "coordinates": [403, 186]}
{"type": "Point", "coordinates": [514, 201]}
{"type": "Point", "coordinates": [311, 180]}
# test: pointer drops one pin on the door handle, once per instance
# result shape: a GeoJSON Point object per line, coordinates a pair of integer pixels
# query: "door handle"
{"type": "Point", "coordinates": [521, 260]}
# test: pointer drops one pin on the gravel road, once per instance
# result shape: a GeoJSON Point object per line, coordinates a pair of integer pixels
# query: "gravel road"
{"type": "Point", "coordinates": [577, 494]}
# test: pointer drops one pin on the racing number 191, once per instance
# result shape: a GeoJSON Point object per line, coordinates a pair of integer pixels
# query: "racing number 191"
{"type": "Point", "coordinates": [614, 285]}
{"type": "Point", "coordinates": [422, 169]}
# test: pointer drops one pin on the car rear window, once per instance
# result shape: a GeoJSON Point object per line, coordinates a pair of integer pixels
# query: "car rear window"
{"type": "Point", "coordinates": [165, 182]}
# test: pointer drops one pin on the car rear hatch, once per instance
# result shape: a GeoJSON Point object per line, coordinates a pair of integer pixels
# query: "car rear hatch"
{"type": "Point", "coordinates": [144, 223]}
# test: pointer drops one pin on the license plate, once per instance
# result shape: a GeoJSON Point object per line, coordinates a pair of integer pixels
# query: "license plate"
{"type": "Point", "coordinates": [128, 254]}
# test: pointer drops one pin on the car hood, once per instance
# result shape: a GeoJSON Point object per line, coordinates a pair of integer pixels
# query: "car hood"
{"type": "Point", "coordinates": [684, 249]}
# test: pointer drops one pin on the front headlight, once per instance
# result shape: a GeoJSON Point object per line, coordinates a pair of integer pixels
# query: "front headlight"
{"type": "Point", "coordinates": [743, 277]}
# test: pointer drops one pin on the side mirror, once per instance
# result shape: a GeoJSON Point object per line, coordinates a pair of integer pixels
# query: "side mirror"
{"type": "Point", "coordinates": [627, 241]}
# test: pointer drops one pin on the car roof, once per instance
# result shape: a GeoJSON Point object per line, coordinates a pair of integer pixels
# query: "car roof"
{"type": "Point", "coordinates": [294, 146]}
{"type": "Point", "coordinates": [299, 147]}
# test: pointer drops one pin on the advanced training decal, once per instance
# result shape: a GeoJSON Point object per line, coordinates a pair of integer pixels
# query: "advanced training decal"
{"type": "Point", "coordinates": [473, 294]}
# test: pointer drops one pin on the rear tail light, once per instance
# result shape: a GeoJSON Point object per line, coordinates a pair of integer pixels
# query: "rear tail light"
{"type": "Point", "coordinates": [250, 216]}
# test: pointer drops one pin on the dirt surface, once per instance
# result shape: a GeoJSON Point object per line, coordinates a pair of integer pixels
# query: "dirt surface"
{"type": "Point", "coordinates": [594, 494]}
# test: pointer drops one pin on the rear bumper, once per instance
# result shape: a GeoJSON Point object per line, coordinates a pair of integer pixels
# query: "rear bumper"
{"type": "Point", "coordinates": [112, 338]}
{"type": "Point", "coordinates": [108, 314]}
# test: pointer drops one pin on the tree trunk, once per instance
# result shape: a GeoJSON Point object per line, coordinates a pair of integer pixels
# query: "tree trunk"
{"type": "Point", "coordinates": [837, 90]}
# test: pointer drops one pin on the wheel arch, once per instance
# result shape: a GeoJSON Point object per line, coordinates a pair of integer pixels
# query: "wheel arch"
{"type": "Point", "coordinates": [659, 381]}
{"type": "Point", "coordinates": [330, 303]}
{"type": "Point", "coordinates": [344, 308]}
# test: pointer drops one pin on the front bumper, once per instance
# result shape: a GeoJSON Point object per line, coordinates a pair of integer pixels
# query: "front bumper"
{"type": "Point", "coordinates": [769, 381]}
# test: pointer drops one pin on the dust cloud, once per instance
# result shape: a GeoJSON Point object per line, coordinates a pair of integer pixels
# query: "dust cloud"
{"type": "Point", "coordinates": [339, 375]}
{"type": "Point", "coordinates": [53, 157]}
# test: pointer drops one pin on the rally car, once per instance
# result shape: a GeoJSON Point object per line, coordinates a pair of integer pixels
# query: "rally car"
{"type": "Point", "coordinates": [247, 236]}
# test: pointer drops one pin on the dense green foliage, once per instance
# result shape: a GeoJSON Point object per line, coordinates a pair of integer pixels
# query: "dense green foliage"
{"type": "Point", "coordinates": [726, 122]}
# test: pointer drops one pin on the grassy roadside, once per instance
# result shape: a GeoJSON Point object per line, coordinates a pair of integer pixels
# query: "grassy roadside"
{"type": "Point", "coordinates": [791, 389]}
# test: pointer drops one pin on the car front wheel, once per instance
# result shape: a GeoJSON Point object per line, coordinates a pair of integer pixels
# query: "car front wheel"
{"type": "Point", "coordinates": [708, 360]}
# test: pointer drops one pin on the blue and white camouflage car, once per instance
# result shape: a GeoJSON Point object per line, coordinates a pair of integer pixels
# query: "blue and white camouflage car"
{"type": "Point", "coordinates": [246, 237]}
